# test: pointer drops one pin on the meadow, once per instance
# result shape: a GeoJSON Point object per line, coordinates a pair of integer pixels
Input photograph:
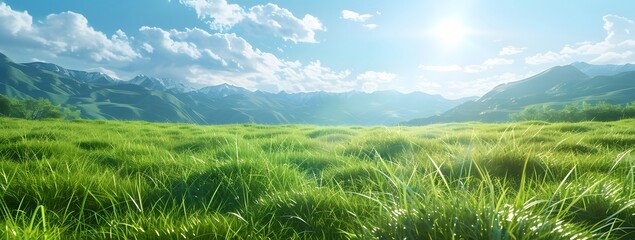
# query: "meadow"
{"type": "Point", "coordinates": [137, 180]}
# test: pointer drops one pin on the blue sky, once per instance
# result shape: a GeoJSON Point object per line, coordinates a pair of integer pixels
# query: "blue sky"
{"type": "Point", "coordinates": [452, 48]}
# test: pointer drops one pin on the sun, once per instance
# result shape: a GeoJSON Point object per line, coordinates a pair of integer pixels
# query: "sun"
{"type": "Point", "coordinates": [450, 32]}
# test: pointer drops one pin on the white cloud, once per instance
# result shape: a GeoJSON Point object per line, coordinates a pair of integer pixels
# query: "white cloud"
{"type": "Point", "coordinates": [314, 77]}
{"type": "Point", "coordinates": [66, 33]}
{"type": "Point", "coordinates": [218, 51]}
{"type": "Point", "coordinates": [612, 57]}
{"type": "Point", "coordinates": [194, 55]}
{"type": "Point", "coordinates": [361, 18]}
{"type": "Point", "coordinates": [162, 40]}
{"type": "Point", "coordinates": [14, 22]}
{"type": "Point", "coordinates": [511, 50]}
{"type": "Point", "coordinates": [441, 68]}
{"type": "Point", "coordinates": [315, 71]}
{"type": "Point", "coordinates": [283, 23]}
{"type": "Point", "coordinates": [616, 48]}
{"type": "Point", "coordinates": [210, 59]}
{"type": "Point", "coordinates": [548, 57]}
{"type": "Point", "coordinates": [586, 48]}
{"type": "Point", "coordinates": [354, 16]}
{"type": "Point", "coordinates": [270, 18]}
{"type": "Point", "coordinates": [618, 29]}
{"type": "Point", "coordinates": [371, 80]}
{"type": "Point", "coordinates": [498, 61]}
{"type": "Point", "coordinates": [218, 13]}
{"type": "Point", "coordinates": [147, 47]}
{"type": "Point", "coordinates": [370, 26]}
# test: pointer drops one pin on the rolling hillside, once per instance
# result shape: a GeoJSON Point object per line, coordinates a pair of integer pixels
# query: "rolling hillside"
{"type": "Point", "coordinates": [556, 87]}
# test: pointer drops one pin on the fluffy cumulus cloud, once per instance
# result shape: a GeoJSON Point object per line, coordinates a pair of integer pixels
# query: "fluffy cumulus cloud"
{"type": "Point", "coordinates": [283, 23]}
{"type": "Point", "coordinates": [315, 71]}
{"type": "Point", "coordinates": [354, 16]}
{"type": "Point", "coordinates": [511, 50]}
{"type": "Point", "coordinates": [174, 50]}
{"type": "Point", "coordinates": [66, 33]}
{"type": "Point", "coordinates": [616, 48]}
{"type": "Point", "coordinates": [221, 15]}
{"type": "Point", "coordinates": [194, 55]}
{"type": "Point", "coordinates": [371, 80]}
{"type": "Point", "coordinates": [359, 17]}
{"type": "Point", "coordinates": [213, 58]}
{"type": "Point", "coordinates": [194, 46]}
{"type": "Point", "coordinates": [619, 29]}
{"type": "Point", "coordinates": [297, 77]}
{"type": "Point", "coordinates": [217, 13]}
{"type": "Point", "coordinates": [315, 77]}
{"type": "Point", "coordinates": [14, 22]}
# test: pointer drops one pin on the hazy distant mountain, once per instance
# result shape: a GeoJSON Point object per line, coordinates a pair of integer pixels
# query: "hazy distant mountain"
{"type": "Point", "coordinates": [222, 90]}
{"type": "Point", "coordinates": [164, 100]}
{"type": "Point", "coordinates": [161, 84]}
{"type": "Point", "coordinates": [382, 107]}
{"type": "Point", "coordinates": [557, 86]}
{"type": "Point", "coordinates": [603, 70]}
{"type": "Point", "coordinates": [89, 77]}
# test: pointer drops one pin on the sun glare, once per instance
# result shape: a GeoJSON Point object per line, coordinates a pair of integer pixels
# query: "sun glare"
{"type": "Point", "coordinates": [450, 32]}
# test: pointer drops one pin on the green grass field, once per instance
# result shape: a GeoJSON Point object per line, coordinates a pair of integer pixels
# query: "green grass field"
{"type": "Point", "coordinates": [138, 180]}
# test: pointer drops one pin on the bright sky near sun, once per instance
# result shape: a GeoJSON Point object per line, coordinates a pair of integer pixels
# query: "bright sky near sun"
{"type": "Point", "coordinates": [452, 48]}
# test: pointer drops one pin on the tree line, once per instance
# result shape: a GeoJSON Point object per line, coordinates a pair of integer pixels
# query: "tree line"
{"type": "Point", "coordinates": [602, 112]}
{"type": "Point", "coordinates": [35, 109]}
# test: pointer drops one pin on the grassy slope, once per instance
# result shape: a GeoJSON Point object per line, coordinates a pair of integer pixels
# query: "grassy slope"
{"type": "Point", "coordinates": [109, 179]}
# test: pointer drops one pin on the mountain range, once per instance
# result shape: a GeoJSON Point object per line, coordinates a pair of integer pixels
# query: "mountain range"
{"type": "Point", "coordinates": [99, 96]}
{"type": "Point", "coordinates": [557, 86]}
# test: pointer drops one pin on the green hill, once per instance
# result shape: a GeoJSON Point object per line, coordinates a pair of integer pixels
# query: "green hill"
{"type": "Point", "coordinates": [557, 87]}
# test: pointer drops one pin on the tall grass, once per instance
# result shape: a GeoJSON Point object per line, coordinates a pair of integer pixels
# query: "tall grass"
{"type": "Point", "coordinates": [137, 180]}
